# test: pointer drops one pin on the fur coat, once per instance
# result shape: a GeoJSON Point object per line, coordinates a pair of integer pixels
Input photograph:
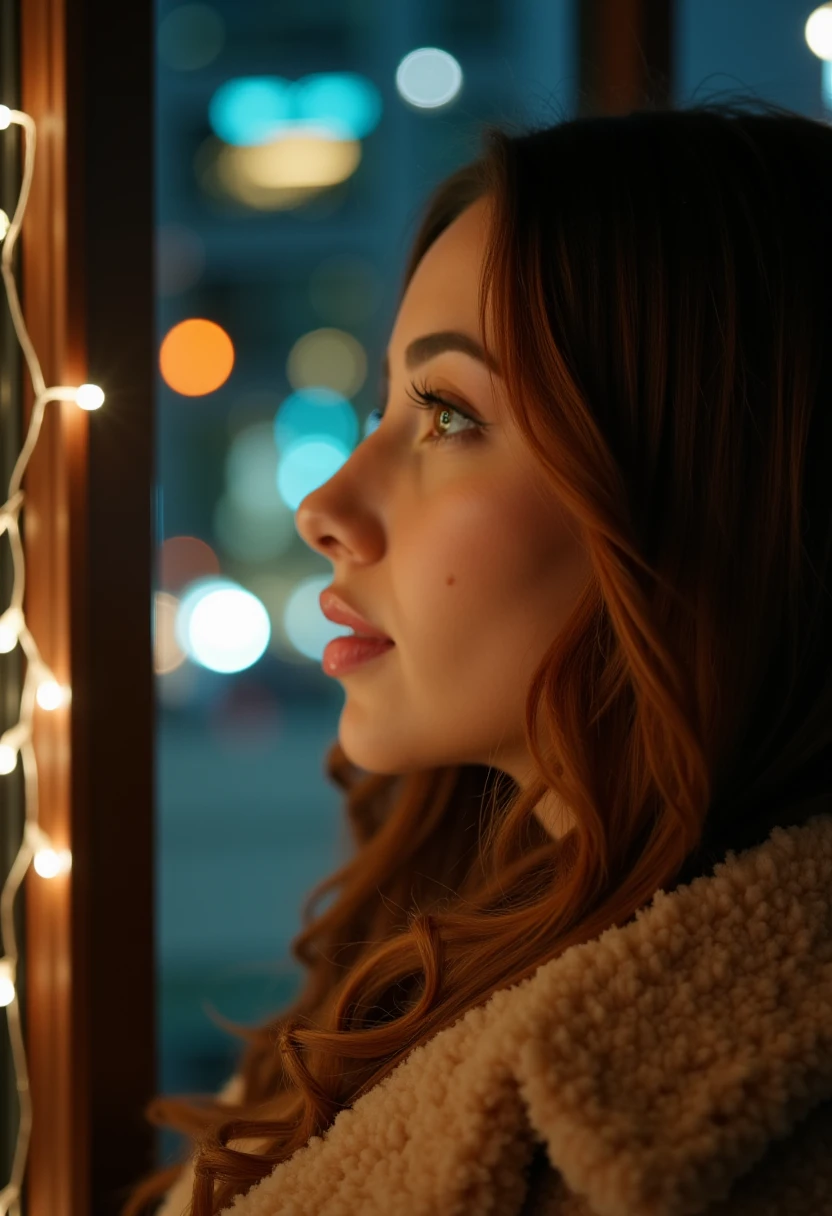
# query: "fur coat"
{"type": "Point", "coordinates": [680, 1064]}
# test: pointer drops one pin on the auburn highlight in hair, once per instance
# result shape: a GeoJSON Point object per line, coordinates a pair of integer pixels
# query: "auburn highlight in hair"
{"type": "Point", "coordinates": [660, 285]}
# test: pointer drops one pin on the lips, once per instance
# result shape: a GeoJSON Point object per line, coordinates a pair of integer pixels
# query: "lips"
{"type": "Point", "coordinates": [341, 613]}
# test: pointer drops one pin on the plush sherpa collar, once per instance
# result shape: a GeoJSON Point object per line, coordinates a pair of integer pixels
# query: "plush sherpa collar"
{"type": "Point", "coordinates": [660, 1060]}
{"type": "Point", "coordinates": [656, 1063]}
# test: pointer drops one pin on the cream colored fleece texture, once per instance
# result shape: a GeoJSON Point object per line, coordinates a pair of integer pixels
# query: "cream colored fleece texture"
{"type": "Point", "coordinates": [678, 1065]}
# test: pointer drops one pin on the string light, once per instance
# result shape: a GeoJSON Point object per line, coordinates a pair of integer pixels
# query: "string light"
{"type": "Point", "coordinates": [40, 684]}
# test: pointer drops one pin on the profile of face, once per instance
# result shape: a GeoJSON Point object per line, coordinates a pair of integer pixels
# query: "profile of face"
{"type": "Point", "coordinates": [444, 534]}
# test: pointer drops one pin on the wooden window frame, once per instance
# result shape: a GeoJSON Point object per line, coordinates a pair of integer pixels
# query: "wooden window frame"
{"type": "Point", "coordinates": [87, 294]}
{"type": "Point", "coordinates": [625, 54]}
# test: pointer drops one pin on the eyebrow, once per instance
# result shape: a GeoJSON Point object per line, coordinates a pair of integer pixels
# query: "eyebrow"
{"type": "Point", "coordinates": [430, 345]}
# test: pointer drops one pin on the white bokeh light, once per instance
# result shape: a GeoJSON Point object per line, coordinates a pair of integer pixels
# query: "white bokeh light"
{"type": "Point", "coordinates": [428, 78]}
{"type": "Point", "coordinates": [221, 626]}
{"type": "Point", "coordinates": [818, 31]}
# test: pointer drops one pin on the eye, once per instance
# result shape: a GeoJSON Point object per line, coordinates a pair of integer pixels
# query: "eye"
{"type": "Point", "coordinates": [429, 400]}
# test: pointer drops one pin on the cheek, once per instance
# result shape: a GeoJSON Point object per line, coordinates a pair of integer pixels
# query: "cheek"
{"type": "Point", "coordinates": [463, 560]}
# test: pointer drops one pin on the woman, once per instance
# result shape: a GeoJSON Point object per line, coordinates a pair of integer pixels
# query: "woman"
{"type": "Point", "coordinates": [596, 530]}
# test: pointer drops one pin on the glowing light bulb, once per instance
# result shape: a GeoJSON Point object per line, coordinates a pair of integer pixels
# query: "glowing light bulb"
{"type": "Point", "coordinates": [5, 224]}
{"type": "Point", "coordinates": [10, 742]}
{"type": "Point", "coordinates": [50, 862]}
{"type": "Point", "coordinates": [11, 623]}
{"type": "Point", "coordinates": [5, 117]}
{"type": "Point", "coordinates": [50, 694]}
{"type": "Point", "coordinates": [7, 993]}
{"type": "Point", "coordinates": [89, 397]}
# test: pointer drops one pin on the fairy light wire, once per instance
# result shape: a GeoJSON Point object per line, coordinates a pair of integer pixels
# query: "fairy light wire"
{"type": "Point", "coordinates": [39, 683]}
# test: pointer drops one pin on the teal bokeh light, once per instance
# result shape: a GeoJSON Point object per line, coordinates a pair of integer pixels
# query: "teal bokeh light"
{"type": "Point", "coordinates": [316, 412]}
{"type": "Point", "coordinates": [304, 624]}
{"type": "Point", "coordinates": [346, 102]}
{"type": "Point", "coordinates": [305, 465]}
{"type": "Point", "coordinates": [251, 109]}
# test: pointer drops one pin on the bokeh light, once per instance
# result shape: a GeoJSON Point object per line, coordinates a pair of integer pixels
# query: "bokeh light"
{"type": "Point", "coordinates": [305, 465]}
{"type": "Point", "coordinates": [167, 653]}
{"type": "Point", "coordinates": [216, 173]}
{"type": "Point", "coordinates": [251, 109]}
{"type": "Point", "coordinates": [329, 358]}
{"type": "Point", "coordinates": [306, 627]}
{"type": "Point", "coordinates": [180, 259]}
{"type": "Point", "coordinates": [196, 357]}
{"type": "Point", "coordinates": [315, 412]}
{"type": "Point", "coordinates": [183, 559]}
{"type": "Point", "coordinates": [428, 78]}
{"type": "Point", "coordinates": [222, 626]}
{"type": "Point", "coordinates": [826, 82]}
{"type": "Point", "coordinates": [298, 160]}
{"type": "Point", "coordinates": [346, 103]}
{"type": "Point", "coordinates": [818, 31]}
{"type": "Point", "coordinates": [190, 37]}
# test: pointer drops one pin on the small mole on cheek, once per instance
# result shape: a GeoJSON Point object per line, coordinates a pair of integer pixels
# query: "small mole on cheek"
{"type": "Point", "coordinates": [450, 580]}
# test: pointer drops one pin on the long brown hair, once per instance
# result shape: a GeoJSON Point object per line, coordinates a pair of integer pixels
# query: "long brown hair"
{"type": "Point", "coordinates": [661, 288]}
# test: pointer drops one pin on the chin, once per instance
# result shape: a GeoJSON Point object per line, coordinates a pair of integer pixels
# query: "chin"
{"type": "Point", "coordinates": [373, 759]}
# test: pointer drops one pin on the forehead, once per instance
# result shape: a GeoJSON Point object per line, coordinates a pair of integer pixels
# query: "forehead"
{"type": "Point", "coordinates": [444, 290]}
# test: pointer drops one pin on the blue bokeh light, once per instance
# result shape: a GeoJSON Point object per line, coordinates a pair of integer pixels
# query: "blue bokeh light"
{"type": "Point", "coordinates": [316, 411]}
{"type": "Point", "coordinates": [346, 102]}
{"type": "Point", "coordinates": [304, 624]}
{"type": "Point", "coordinates": [306, 464]}
{"type": "Point", "coordinates": [251, 109]}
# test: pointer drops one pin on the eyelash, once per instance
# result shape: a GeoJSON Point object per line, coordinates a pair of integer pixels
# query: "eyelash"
{"type": "Point", "coordinates": [430, 401]}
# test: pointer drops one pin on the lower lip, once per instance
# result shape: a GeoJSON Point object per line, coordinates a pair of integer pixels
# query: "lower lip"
{"type": "Point", "coordinates": [342, 655]}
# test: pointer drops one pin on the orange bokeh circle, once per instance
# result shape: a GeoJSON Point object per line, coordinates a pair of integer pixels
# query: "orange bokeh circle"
{"type": "Point", "coordinates": [196, 357]}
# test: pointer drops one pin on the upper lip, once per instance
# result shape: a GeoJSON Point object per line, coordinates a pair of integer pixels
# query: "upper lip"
{"type": "Point", "coordinates": [336, 609]}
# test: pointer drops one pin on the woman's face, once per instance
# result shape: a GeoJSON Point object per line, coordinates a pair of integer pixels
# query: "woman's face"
{"type": "Point", "coordinates": [456, 549]}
